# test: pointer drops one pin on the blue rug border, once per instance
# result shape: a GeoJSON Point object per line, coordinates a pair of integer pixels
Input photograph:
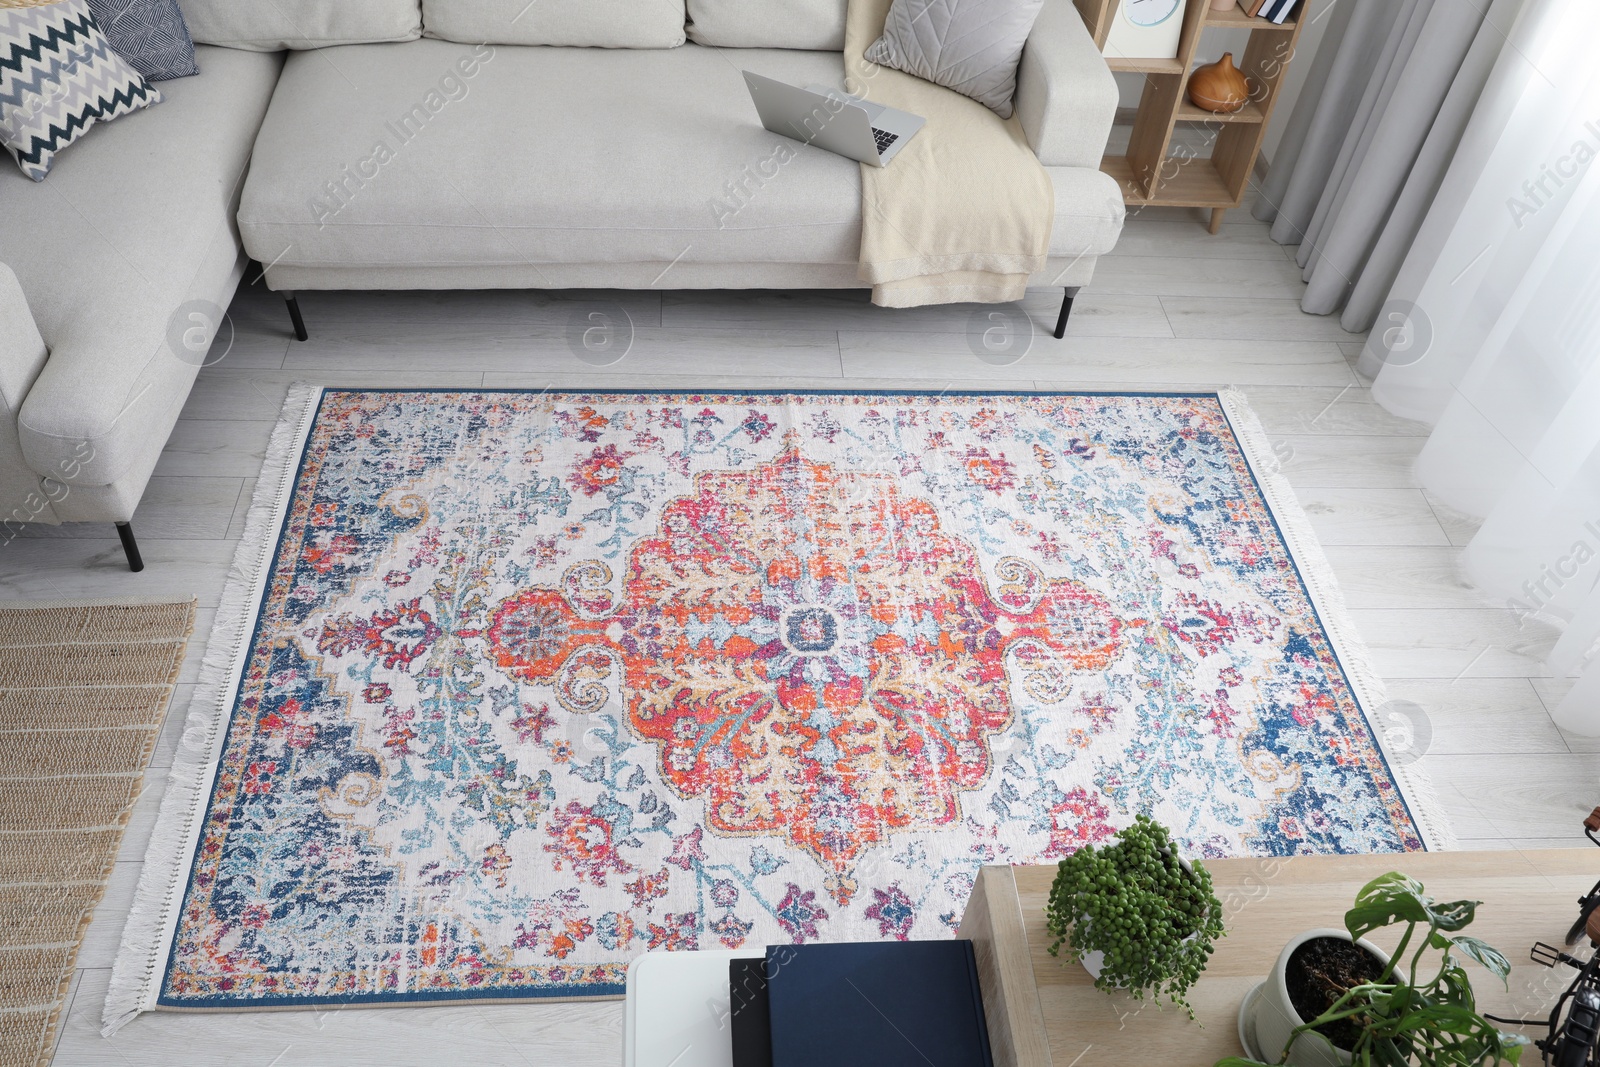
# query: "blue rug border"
{"type": "Point", "coordinates": [596, 992]}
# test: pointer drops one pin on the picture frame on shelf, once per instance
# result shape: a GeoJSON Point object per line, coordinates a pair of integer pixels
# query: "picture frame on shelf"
{"type": "Point", "coordinates": [1144, 29]}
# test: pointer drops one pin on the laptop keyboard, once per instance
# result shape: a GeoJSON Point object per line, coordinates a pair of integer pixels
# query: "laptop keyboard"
{"type": "Point", "coordinates": [884, 139]}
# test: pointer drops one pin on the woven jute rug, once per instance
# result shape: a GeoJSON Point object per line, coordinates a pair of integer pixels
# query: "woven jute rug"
{"type": "Point", "coordinates": [83, 690]}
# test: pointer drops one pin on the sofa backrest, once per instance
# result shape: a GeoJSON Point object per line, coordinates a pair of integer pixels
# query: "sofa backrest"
{"type": "Point", "coordinates": [578, 23]}
{"type": "Point", "coordinates": [813, 24]}
{"type": "Point", "coordinates": [274, 25]}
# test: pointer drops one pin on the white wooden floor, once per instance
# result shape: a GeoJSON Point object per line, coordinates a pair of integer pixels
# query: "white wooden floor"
{"type": "Point", "coordinates": [1165, 311]}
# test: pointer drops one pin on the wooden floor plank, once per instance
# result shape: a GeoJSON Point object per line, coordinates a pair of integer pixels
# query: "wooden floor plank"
{"type": "Point", "coordinates": [1389, 517]}
{"type": "Point", "coordinates": [376, 350]}
{"type": "Point", "coordinates": [1096, 313]}
{"type": "Point", "coordinates": [1090, 362]}
{"type": "Point", "coordinates": [1251, 318]}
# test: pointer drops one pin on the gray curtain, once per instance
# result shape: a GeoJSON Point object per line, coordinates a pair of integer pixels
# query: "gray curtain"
{"type": "Point", "coordinates": [1383, 108]}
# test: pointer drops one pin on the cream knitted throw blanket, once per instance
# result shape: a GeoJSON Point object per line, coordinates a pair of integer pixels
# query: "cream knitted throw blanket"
{"type": "Point", "coordinates": [963, 213]}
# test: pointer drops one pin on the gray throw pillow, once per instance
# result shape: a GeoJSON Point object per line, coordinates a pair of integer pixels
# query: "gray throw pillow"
{"type": "Point", "coordinates": [970, 46]}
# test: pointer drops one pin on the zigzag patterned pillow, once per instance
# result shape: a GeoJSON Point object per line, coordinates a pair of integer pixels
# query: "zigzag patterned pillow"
{"type": "Point", "coordinates": [58, 77]}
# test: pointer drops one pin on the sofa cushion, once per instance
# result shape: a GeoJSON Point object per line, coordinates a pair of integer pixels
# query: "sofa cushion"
{"type": "Point", "coordinates": [578, 23]}
{"type": "Point", "coordinates": [273, 25]}
{"type": "Point", "coordinates": [817, 24]}
{"type": "Point", "coordinates": [149, 34]}
{"type": "Point", "coordinates": [599, 171]}
{"type": "Point", "coordinates": [970, 46]}
{"type": "Point", "coordinates": [132, 228]}
{"type": "Point", "coordinates": [59, 77]}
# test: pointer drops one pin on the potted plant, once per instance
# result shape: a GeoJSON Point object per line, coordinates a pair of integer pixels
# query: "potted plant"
{"type": "Point", "coordinates": [1135, 915]}
{"type": "Point", "coordinates": [1333, 998]}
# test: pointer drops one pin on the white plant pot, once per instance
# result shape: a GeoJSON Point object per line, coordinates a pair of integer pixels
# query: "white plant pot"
{"type": "Point", "coordinates": [1267, 1017]}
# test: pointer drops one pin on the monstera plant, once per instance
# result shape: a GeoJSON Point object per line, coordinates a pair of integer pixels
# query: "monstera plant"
{"type": "Point", "coordinates": [1334, 998]}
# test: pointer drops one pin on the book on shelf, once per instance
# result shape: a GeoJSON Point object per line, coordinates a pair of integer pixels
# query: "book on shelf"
{"type": "Point", "coordinates": [1253, 7]}
{"type": "Point", "coordinates": [749, 1017]}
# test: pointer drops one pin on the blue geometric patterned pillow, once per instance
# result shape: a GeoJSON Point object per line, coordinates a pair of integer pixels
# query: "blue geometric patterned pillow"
{"type": "Point", "coordinates": [150, 34]}
{"type": "Point", "coordinates": [58, 77]}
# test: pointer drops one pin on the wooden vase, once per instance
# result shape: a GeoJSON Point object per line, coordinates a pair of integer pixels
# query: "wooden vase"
{"type": "Point", "coordinates": [1219, 87]}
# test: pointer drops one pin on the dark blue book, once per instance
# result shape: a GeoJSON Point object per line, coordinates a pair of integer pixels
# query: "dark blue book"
{"type": "Point", "coordinates": [876, 1004]}
{"type": "Point", "coordinates": [749, 1017]}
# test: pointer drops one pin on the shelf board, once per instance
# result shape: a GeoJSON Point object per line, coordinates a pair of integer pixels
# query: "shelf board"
{"type": "Point", "coordinates": [1145, 66]}
{"type": "Point", "coordinates": [1119, 168]}
{"type": "Point", "coordinates": [1196, 183]}
{"type": "Point", "coordinates": [1251, 112]}
{"type": "Point", "coordinates": [1235, 19]}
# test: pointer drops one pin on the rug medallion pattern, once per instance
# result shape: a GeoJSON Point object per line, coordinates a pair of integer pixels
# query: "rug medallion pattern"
{"type": "Point", "coordinates": [544, 681]}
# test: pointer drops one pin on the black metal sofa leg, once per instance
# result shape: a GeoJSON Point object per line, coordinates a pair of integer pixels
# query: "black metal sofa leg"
{"type": "Point", "coordinates": [1066, 310]}
{"type": "Point", "coordinates": [130, 547]}
{"type": "Point", "coordinates": [294, 316]}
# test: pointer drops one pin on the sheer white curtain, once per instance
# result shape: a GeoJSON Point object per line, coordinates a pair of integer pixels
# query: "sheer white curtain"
{"type": "Point", "coordinates": [1492, 332]}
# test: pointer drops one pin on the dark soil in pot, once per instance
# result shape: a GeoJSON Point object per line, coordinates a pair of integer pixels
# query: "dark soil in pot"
{"type": "Point", "coordinates": [1321, 971]}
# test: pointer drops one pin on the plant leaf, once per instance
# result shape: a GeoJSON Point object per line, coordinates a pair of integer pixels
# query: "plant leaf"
{"type": "Point", "coordinates": [1454, 915]}
{"type": "Point", "coordinates": [1450, 1018]}
{"type": "Point", "coordinates": [1385, 899]}
{"type": "Point", "coordinates": [1394, 897]}
{"type": "Point", "coordinates": [1454, 987]}
{"type": "Point", "coordinates": [1485, 955]}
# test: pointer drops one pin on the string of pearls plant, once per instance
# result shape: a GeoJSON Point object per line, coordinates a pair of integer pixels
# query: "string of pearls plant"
{"type": "Point", "coordinates": [1153, 919]}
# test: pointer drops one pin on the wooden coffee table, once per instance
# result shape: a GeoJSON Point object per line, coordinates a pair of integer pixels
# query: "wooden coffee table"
{"type": "Point", "coordinates": [1042, 1012]}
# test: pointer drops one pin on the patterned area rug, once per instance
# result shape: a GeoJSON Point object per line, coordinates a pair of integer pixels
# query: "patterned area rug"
{"type": "Point", "coordinates": [512, 686]}
{"type": "Point", "coordinates": [83, 691]}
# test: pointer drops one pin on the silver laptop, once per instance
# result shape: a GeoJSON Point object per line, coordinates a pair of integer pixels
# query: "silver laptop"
{"type": "Point", "coordinates": [832, 119]}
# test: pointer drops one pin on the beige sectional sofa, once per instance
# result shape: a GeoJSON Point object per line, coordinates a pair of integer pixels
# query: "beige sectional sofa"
{"type": "Point", "coordinates": [554, 144]}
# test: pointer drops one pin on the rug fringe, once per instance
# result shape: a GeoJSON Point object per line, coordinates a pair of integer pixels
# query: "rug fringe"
{"type": "Point", "coordinates": [1414, 783]}
{"type": "Point", "coordinates": [152, 922]}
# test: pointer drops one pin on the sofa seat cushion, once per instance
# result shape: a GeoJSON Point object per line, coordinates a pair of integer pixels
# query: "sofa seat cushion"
{"type": "Point", "coordinates": [131, 224]}
{"type": "Point", "coordinates": [544, 155]}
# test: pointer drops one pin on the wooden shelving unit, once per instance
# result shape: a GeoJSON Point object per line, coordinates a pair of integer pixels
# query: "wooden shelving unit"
{"type": "Point", "coordinates": [1155, 170]}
